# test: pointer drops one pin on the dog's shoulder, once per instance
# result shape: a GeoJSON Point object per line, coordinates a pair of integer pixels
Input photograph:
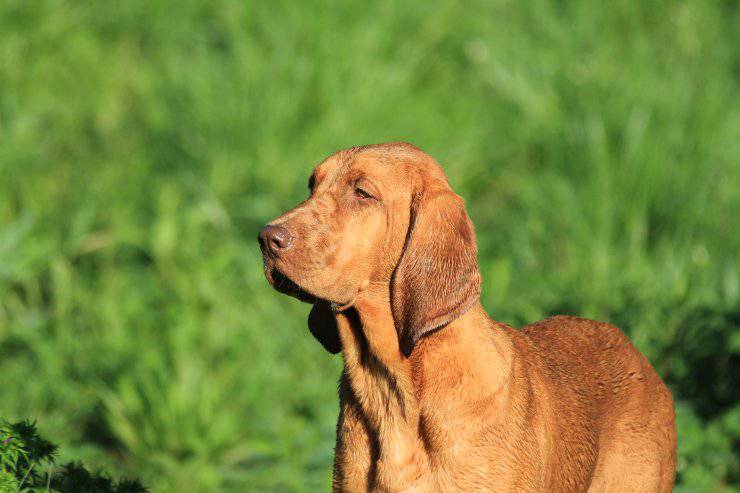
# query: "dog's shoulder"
{"type": "Point", "coordinates": [582, 349]}
{"type": "Point", "coordinates": [592, 356]}
{"type": "Point", "coordinates": [576, 332]}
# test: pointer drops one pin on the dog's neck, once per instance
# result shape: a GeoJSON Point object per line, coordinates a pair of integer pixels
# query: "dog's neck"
{"type": "Point", "coordinates": [379, 373]}
{"type": "Point", "coordinates": [384, 381]}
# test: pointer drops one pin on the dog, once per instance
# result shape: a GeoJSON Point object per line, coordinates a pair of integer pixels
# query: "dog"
{"type": "Point", "coordinates": [434, 394]}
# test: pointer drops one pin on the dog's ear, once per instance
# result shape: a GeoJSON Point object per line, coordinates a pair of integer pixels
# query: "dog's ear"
{"type": "Point", "coordinates": [323, 326]}
{"type": "Point", "coordinates": [437, 278]}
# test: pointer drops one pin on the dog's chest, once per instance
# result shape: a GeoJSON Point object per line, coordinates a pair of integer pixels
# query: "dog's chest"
{"type": "Point", "coordinates": [472, 440]}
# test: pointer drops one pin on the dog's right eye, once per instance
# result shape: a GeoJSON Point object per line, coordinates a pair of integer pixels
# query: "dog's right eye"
{"type": "Point", "coordinates": [362, 193]}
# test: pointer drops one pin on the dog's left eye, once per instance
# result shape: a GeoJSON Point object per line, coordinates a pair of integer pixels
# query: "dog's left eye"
{"type": "Point", "coordinates": [362, 193]}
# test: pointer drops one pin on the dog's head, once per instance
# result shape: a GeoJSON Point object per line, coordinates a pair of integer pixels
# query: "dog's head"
{"type": "Point", "coordinates": [379, 218]}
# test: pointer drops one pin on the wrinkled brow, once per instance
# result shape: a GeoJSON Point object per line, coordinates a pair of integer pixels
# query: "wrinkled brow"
{"type": "Point", "coordinates": [318, 175]}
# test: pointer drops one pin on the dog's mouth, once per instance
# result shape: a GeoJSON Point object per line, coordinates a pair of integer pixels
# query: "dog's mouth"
{"type": "Point", "coordinates": [285, 285]}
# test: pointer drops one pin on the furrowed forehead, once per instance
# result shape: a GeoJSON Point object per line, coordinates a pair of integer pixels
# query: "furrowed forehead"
{"type": "Point", "coordinates": [406, 165]}
{"type": "Point", "coordinates": [385, 161]}
{"type": "Point", "coordinates": [376, 164]}
{"type": "Point", "coordinates": [332, 164]}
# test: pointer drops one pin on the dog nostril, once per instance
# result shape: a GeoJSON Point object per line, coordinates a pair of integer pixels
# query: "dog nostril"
{"type": "Point", "coordinates": [275, 239]}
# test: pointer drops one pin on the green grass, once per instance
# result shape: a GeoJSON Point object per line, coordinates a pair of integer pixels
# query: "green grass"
{"type": "Point", "coordinates": [143, 144]}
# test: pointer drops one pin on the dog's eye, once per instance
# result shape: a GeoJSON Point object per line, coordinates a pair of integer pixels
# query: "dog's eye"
{"type": "Point", "coordinates": [362, 193]}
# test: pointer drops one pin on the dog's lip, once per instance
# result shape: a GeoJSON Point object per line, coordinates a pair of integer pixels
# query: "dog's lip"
{"type": "Point", "coordinates": [284, 284]}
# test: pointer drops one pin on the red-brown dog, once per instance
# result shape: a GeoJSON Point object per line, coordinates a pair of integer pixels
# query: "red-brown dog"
{"type": "Point", "coordinates": [436, 396]}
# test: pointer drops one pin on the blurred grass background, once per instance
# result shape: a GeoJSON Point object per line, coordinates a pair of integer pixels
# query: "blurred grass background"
{"type": "Point", "coordinates": [143, 143]}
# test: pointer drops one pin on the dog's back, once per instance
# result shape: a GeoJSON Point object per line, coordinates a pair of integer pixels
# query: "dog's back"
{"type": "Point", "coordinates": [613, 415]}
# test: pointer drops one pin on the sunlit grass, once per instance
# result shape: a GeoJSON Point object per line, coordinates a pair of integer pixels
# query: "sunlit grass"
{"type": "Point", "coordinates": [143, 143]}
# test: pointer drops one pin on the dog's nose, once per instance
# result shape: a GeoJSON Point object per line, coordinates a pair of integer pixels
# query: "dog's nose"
{"type": "Point", "coordinates": [275, 239]}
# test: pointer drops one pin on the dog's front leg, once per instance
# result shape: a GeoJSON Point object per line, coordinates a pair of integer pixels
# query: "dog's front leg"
{"type": "Point", "coordinates": [356, 450]}
{"type": "Point", "coordinates": [380, 386]}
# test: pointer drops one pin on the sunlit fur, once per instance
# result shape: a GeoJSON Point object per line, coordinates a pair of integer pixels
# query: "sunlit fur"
{"type": "Point", "coordinates": [436, 396]}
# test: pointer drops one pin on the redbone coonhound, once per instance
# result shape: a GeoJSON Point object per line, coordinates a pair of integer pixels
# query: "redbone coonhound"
{"type": "Point", "coordinates": [435, 395]}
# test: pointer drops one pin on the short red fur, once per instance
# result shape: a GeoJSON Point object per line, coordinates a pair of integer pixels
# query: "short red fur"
{"type": "Point", "coordinates": [435, 395]}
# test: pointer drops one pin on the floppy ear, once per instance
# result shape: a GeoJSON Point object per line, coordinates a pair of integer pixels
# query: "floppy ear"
{"type": "Point", "coordinates": [437, 278]}
{"type": "Point", "coordinates": [323, 326]}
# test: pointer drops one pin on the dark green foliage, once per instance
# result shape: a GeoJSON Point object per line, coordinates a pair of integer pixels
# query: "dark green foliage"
{"type": "Point", "coordinates": [143, 144]}
{"type": "Point", "coordinates": [24, 456]}
{"type": "Point", "coordinates": [74, 478]}
{"type": "Point", "coordinates": [27, 464]}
